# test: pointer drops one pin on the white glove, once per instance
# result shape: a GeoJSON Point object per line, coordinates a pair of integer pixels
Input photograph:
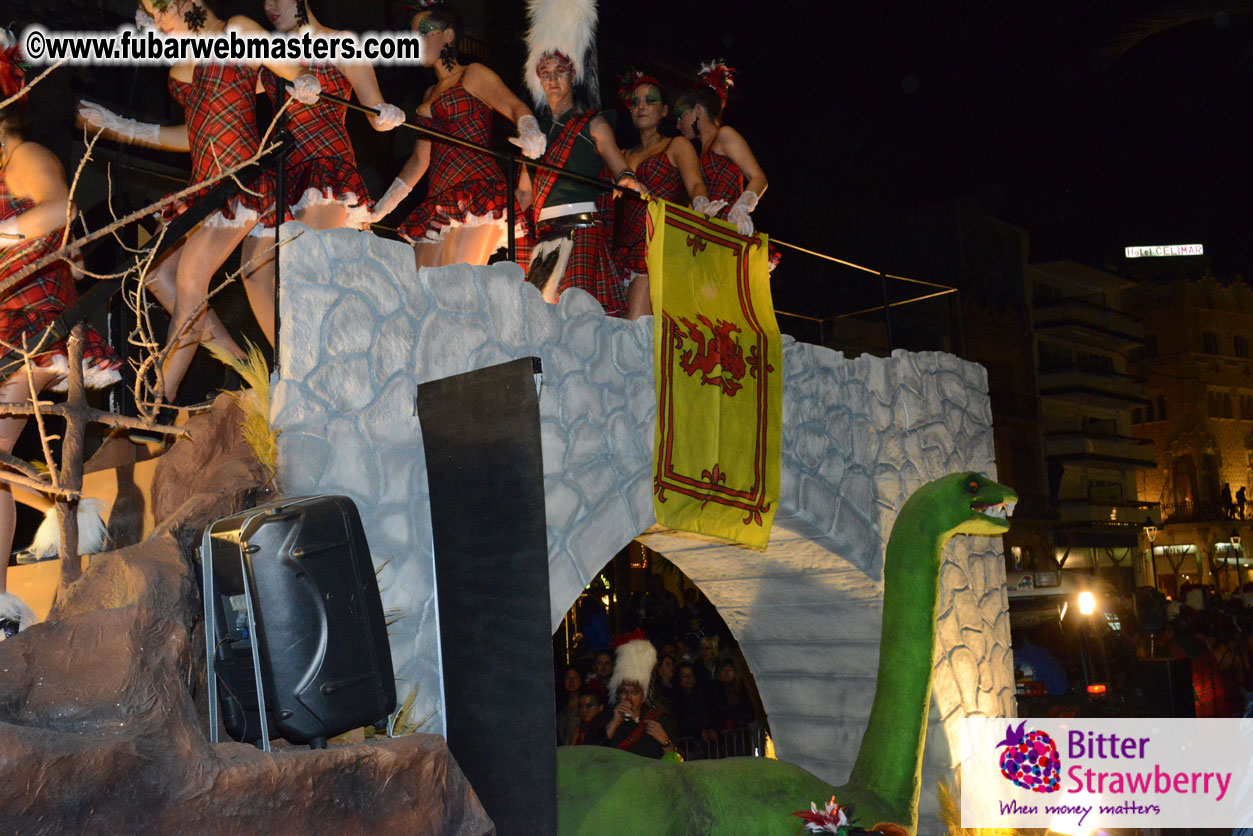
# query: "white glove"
{"type": "Point", "coordinates": [708, 208]}
{"type": "Point", "coordinates": [395, 193]}
{"type": "Point", "coordinates": [738, 215]}
{"type": "Point", "coordinates": [127, 130]}
{"type": "Point", "coordinates": [530, 139]}
{"type": "Point", "coordinates": [388, 118]}
{"type": "Point", "coordinates": [9, 234]}
{"type": "Point", "coordinates": [143, 20]}
{"type": "Point", "coordinates": [13, 608]}
{"type": "Point", "coordinates": [305, 88]}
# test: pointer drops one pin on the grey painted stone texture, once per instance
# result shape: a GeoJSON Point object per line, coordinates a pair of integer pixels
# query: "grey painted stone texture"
{"type": "Point", "coordinates": [361, 330]}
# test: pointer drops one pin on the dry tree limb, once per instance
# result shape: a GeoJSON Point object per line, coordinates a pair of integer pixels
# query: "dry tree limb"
{"type": "Point", "coordinates": [21, 467]}
{"type": "Point", "coordinates": [79, 243]}
{"type": "Point", "coordinates": [28, 85]}
{"type": "Point", "coordinates": [72, 456]}
{"type": "Point", "coordinates": [37, 485]}
{"type": "Point", "coordinates": [29, 366]}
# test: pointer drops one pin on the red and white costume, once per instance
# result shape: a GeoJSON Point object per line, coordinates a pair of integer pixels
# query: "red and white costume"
{"type": "Point", "coordinates": [723, 179]}
{"type": "Point", "coordinates": [220, 108]}
{"type": "Point", "coordinates": [464, 187]}
{"type": "Point", "coordinates": [662, 180]}
{"type": "Point", "coordinates": [322, 167]}
{"type": "Point", "coordinates": [30, 306]}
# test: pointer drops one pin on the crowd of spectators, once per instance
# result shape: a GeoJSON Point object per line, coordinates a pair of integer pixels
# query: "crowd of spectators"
{"type": "Point", "coordinates": [699, 687]}
{"type": "Point", "coordinates": [1216, 635]}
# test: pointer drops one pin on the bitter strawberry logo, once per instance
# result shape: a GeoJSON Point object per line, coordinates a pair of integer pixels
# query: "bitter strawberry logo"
{"type": "Point", "coordinates": [1030, 759]}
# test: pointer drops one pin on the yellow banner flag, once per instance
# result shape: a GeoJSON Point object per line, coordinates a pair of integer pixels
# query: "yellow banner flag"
{"type": "Point", "coordinates": [717, 361]}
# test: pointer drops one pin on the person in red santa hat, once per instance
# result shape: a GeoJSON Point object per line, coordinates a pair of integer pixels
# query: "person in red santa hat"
{"type": "Point", "coordinates": [633, 725]}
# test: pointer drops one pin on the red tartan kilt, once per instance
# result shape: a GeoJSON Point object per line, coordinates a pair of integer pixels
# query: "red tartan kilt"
{"type": "Point", "coordinates": [631, 252]}
{"type": "Point", "coordinates": [262, 202]}
{"type": "Point", "coordinates": [523, 245]}
{"type": "Point", "coordinates": [330, 177]}
{"type": "Point", "coordinates": [592, 269]}
{"type": "Point", "coordinates": [457, 203]}
{"type": "Point", "coordinates": [33, 304]}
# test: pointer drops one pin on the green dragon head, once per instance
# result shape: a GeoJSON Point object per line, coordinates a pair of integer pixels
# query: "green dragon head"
{"type": "Point", "coordinates": [964, 503]}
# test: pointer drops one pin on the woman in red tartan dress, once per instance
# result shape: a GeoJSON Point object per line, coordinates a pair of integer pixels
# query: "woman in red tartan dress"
{"type": "Point", "coordinates": [34, 203]}
{"type": "Point", "coordinates": [221, 132]}
{"type": "Point", "coordinates": [461, 218]}
{"type": "Point", "coordinates": [667, 168]}
{"type": "Point", "coordinates": [732, 175]}
{"type": "Point", "coordinates": [160, 278]}
{"type": "Point", "coordinates": [323, 187]}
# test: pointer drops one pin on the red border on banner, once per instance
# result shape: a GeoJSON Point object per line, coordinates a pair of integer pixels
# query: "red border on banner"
{"type": "Point", "coordinates": [752, 500]}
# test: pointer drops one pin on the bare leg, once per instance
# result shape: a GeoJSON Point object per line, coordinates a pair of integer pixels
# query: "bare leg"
{"type": "Point", "coordinates": [160, 282]}
{"type": "Point", "coordinates": [14, 390]}
{"type": "Point", "coordinates": [324, 216]}
{"type": "Point", "coordinates": [427, 254]}
{"type": "Point", "coordinates": [450, 245]}
{"type": "Point", "coordinates": [476, 244]}
{"type": "Point", "coordinates": [638, 301]}
{"type": "Point", "coordinates": [257, 264]}
{"type": "Point", "coordinates": [204, 252]}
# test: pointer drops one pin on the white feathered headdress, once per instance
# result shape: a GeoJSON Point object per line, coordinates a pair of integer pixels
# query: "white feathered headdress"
{"type": "Point", "coordinates": [568, 27]}
{"type": "Point", "coordinates": [636, 658]}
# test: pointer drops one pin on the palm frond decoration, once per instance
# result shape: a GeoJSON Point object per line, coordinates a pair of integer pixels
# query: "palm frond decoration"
{"type": "Point", "coordinates": [254, 403]}
{"type": "Point", "coordinates": [404, 722]}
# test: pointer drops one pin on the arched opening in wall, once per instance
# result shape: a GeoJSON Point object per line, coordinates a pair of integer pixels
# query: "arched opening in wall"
{"type": "Point", "coordinates": [704, 694]}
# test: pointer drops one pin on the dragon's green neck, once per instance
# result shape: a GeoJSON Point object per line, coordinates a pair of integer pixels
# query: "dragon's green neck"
{"type": "Point", "coordinates": [896, 732]}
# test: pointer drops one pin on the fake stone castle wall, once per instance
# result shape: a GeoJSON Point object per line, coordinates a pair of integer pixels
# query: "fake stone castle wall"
{"type": "Point", "coordinates": [360, 330]}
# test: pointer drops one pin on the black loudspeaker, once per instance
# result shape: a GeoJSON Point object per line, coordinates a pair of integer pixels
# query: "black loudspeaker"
{"type": "Point", "coordinates": [292, 609]}
{"type": "Point", "coordinates": [1166, 688]}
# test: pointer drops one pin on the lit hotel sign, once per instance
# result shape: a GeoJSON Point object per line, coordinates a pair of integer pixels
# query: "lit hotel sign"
{"type": "Point", "coordinates": [1164, 250]}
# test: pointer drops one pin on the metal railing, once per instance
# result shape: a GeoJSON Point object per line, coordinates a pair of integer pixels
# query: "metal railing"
{"type": "Point", "coordinates": [747, 742]}
{"type": "Point", "coordinates": [1190, 511]}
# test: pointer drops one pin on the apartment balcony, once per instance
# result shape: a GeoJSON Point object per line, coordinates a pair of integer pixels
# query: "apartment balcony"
{"type": "Point", "coordinates": [1109, 514]}
{"type": "Point", "coordinates": [1086, 385]}
{"type": "Point", "coordinates": [1087, 523]}
{"type": "Point", "coordinates": [1197, 512]}
{"type": "Point", "coordinates": [1117, 451]}
{"type": "Point", "coordinates": [1088, 324]}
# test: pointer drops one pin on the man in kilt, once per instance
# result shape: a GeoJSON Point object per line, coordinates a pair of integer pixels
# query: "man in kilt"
{"type": "Point", "coordinates": [565, 240]}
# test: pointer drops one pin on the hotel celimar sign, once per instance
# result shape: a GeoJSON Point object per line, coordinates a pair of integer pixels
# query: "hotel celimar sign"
{"type": "Point", "coordinates": [1165, 250]}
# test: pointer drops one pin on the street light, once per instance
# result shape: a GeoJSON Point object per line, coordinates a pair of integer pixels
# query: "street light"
{"type": "Point", "coordinates": [1087, 603]}
{"type": "Point", "coordinates": [1235, 546]}
{"type": "Point", "coordinates": [1150, 532]}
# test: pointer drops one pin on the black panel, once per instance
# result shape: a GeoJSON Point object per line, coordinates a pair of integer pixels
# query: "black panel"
{"type": "Point", "coordinates": [486, 476]}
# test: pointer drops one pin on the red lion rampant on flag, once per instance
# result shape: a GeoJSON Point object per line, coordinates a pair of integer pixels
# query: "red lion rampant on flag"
{"type": "Point", "coordinates": [717, 350]}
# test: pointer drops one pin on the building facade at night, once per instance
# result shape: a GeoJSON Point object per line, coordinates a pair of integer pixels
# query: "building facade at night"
{"type": "Point", "coordinates": [1200, 421]}
{"type": "Point", "coordinates": [1087, 400]}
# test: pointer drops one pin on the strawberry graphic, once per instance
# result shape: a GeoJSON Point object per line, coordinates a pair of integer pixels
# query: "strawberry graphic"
{"type": "Point", "coordinates": [1030, 759]}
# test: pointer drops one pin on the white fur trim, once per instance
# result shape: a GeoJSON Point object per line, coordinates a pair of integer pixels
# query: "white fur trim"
{"type": "Point", "coordinates": [358, 216]}
{"type": "Point", "coordinates": [13, 608]}
{"type": "Point", "coordinates": [243, 217]}
{"type": "Point", "coordinates": [93, 535]}
{"type": "Point", "coordinates": [436, 234]}
{"type": "Point", "coordinates": [635, 662]}
{"type": "Point", "coordinates": [567, 26]}
{"type": "Point", "coordinates": [94, 376]}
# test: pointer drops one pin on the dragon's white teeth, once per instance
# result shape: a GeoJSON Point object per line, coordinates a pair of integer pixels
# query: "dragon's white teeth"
{"type": "Point", "coordinates": [1009, 508]}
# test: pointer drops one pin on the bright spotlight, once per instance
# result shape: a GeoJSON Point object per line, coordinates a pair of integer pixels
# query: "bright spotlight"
{"type": "Point", "coordinates": [1087, 603]}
